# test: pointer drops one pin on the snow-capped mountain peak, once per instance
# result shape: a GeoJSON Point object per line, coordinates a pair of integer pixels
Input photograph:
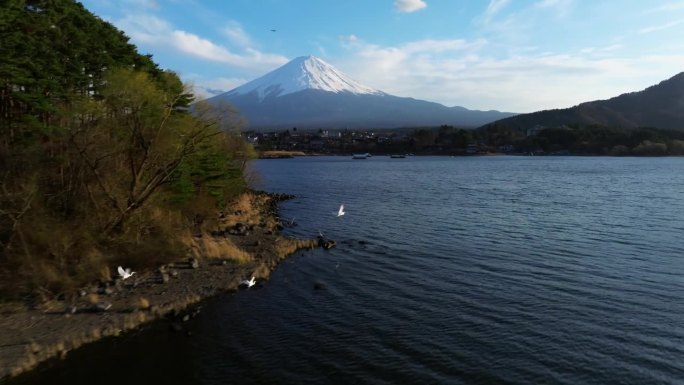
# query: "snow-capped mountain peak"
{"type": "Point", "coordinates": [305, 72]}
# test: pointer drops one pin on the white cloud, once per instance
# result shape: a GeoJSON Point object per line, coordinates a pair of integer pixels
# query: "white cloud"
{"type": "Point", "coordinates": [144, 28]}
{"type": "Point", "coordinates": [439, 46]}
{"type": "Point", "coordinates": [237, 35]}
{"type": "Point", "coordinates": [512, 23]}
{"type": "Point", "coordinates": [152, 4]}
{"type": "Point", "coordinates": [494, 7]}
{"type": "Point", "coordinates": [601, 50]}
{"type": "Point", "coordinates": [203, 48]}
{"type": "Point", "coordinates": [550, 3]}
{"type": "Point", "coordinates": [560, 8]}
{"type": "Point", "coordinates": [409, 5]}
{"type": "Point", "coordinates": [154, 31]}
{"type": "Point", "coordinates": [349, 39]}
{"type": "Point", "coordinates": [667, 7]}
{"type": "Point", "coordinates": [466, 73]}
{"type": "Point", "coordinates": [661, 27]}
{"type": "Point", "coordinates": [206, 88]}
{"type": "Point", "coordinates": [515, 66]}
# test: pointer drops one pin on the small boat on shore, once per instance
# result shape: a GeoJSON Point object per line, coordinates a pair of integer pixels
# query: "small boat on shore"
{"type": "Point", "coordinates": [397, 156]}
{"type": "Point", "coordinates": [360, 156]}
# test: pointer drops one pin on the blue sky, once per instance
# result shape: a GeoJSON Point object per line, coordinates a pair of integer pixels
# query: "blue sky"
{"type": "Point", "coordinates": [509, 55]}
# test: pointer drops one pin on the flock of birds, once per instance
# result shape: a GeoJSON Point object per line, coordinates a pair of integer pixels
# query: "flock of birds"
{"type": "Point", "coordinates": [127, 273]}
{"type": "Point", "coordinates": [251, 282]}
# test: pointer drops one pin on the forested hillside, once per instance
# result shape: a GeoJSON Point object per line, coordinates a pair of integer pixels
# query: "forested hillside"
{"type": "Point", "coordinates": [658, 106]}
{"type": "Point", "coordinates": [100, 161]}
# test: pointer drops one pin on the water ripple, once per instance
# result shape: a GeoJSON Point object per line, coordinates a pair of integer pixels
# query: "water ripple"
{"type": "Point", "coordinates": [474, 270]}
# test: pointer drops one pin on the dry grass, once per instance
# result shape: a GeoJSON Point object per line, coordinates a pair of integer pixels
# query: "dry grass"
{"type": "Point", "coordinates": [263, 255]}
{"type": "Point", "coordinates": [12, 307]}
{"type": "Point", "coordinates": [105, 274]}
{"type": "Point", "coordinates": [92, 298]}
{"type": "Point", "coordinates": [243, 209]}
{"type": "Point", "coordinates": [248, 209]}
{"type": "Point", "coordinates": [50, 306]}
{"type": "Point", "coordinates": [287, 246]}
{"type": "Point", "coordinates": [58, 257]}
{"type": "Point", "coordinates": [62, 259]}
{"type": "Point", "coordinates": [251, 210]}
{"type": "Point", "coordinates": [271, 223]}
{"type": "Point", "coordinates": [217, 248]}
{"type": "Point", "coordinates": [142, 303]}
{"type": "Point", "coordinates": [280, 154]}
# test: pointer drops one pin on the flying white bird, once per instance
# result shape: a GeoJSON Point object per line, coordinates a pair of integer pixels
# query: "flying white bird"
{"type": "Point", "coordinates": [341, 211]}
{"type": "Point", "coordinates": [125, 273]}
{"type": "Point", "coordinates": [248, 283]}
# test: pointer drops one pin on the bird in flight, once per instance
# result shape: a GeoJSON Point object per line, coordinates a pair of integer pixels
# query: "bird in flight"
{"type": "Point", "coordinates": [340, 212]}
{"type": "Point", "coordinates": [273, 30]}
{"type": "Point", "coordinates": [125, 273]}
{"type": "Point", "coordinates": [248, 283]}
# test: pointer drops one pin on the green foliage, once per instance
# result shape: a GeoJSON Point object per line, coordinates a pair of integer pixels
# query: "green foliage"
{"type": "Point", "coordinates": [650, 149]}
{"type": "Point", "coordinates": [676, 147]}
{"type": "Point", "coordinates": [607, 140]}
{"type": "Point", "coordinates": [212, 171]}
{"type": "Point", "coordinates": [54, 51]}
{"type": "Point", "coordinates": [102, 161]}
{"type": "Point", "coordinates": [586, 139]}
{"type": "Point", "coordinates": [436, 140]}
{"type": "Point", "coordinates": [619, 150]}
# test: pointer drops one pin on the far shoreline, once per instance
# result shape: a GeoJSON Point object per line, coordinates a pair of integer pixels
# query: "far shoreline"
{"type": "Point", "coordinates": [284, 154]}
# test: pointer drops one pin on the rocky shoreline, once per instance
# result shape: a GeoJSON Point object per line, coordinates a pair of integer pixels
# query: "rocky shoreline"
{"type": "Point", "coordinates": [30, 335]}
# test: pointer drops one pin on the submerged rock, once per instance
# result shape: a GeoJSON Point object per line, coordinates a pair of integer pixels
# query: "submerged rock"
{"type": "Point", "coordinates": [193, 263]}
{"type": "Point", "coordinates": [176, 326]}
{"type": "Point", "coordinates": [101, 307]}
{"type": "Point", "coordinates": [326, 243]}
{"type": "Point", "coordinates": [239, 229]}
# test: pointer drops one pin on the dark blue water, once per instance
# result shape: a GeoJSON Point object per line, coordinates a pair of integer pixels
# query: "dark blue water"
{"type": "Point", "coordinates": [472, 270]}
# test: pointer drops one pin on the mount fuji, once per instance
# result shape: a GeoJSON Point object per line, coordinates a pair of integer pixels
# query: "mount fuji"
{"type": "Point", "coordinates": [307, 92]}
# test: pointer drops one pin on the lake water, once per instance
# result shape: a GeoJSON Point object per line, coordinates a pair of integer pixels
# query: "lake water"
{"type": "Point", "coordinates": [464, 270]}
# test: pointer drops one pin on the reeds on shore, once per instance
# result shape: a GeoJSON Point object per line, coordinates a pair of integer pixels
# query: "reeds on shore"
{"type": "Point", "coordinates": [254, 253]}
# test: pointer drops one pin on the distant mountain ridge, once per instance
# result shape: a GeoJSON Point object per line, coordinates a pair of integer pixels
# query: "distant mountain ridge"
{"type": "Point", "coordinates": [660, 106]}
{"type": "Point", "coordinates": [307, 92]}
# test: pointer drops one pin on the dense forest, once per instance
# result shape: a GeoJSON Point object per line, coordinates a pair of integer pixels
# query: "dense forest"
{"type": "Point", "coordinates": [568, 140]}
{"type": "Point", "coordinates": [101, 161]}
{"type": "Point", "coordinates": [585, 140]}
{"type": "Point", "coordinates": [659, 106]}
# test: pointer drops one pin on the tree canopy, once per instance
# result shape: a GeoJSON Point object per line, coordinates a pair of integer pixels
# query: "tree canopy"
{"type": "Point", "coordinates": [102, 159]}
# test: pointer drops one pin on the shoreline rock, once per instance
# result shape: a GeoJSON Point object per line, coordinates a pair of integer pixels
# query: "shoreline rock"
{"type": "Point", "coordinates": [31, 336]}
